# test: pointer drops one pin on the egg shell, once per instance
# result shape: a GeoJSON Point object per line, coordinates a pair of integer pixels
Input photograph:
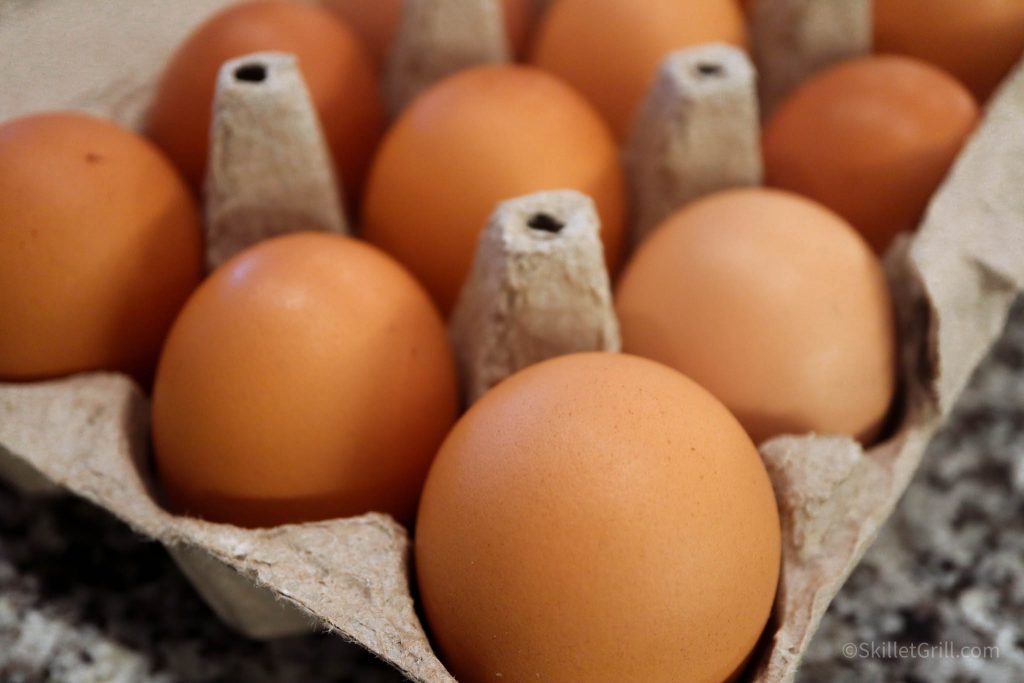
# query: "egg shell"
{"type": "Point", "coordinates": [309, 377]}
{"type": "Point", "coordinates": [463, 146]}
{"type": "Point", "coordinates": [100, 245]}
{"type": "Point", "coordinates": [337, 69]}
{"type": "Point", "coordinates": [611, 49]}
{"type": "Point", "coordinates": [376, 22]}
{"type": "Point", "coordinates": [982, 200]}
{"type": "Point", "coordinates": [772, 303]}
{"type": "Point", "coordinates": [977, 41]}
{"type": "Point", "coordinates": [791, 40]}
{"type": "Point", "coordinates": [597, 517]}
{"type": "Point", "coordinates": [871, 139]}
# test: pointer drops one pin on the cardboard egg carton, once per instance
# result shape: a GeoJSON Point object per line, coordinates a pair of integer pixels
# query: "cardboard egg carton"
{"type": "Point", "coordinates": [953, 283]}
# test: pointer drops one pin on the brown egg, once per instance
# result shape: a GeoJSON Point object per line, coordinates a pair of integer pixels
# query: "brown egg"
{"type": "Point", "coordinates": [309, 377]}
{"type": "Point", "coordinates": [100, 245]}
{"type": "Point", "coordinates": [611, 49]}
{"type": "Point", "coordinates": [482, 136]}
{"type": "Point", "coordinates": [871, 139]}
{"type": "Point", "coordinates": [773, 304]}
{"type": "Point", "coordinates": [598, 518]}
{"type": "Point", "coordinates": [977, 41]}
{"type": "Point", "coordinates": [338, 71]}
{"type": "Point", "coordinates": [377, 20]}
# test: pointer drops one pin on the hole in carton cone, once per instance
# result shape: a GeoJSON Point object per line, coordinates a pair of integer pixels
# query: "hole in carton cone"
{"type": "Point", "coordinates": [710, 69]}
{"type": "Point", "coordinates": [546, 223]}
{"type": "Point", "coordinates": [252, 73]}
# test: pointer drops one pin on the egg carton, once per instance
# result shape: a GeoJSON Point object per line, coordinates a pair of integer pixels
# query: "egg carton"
{"type": "Point", "coordinates": [953, 283]}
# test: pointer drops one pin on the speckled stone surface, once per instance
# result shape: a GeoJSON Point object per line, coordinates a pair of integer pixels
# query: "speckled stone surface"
{"type": "Point", "coordinates": [84, 600]}
{"type": "Point", "coordinates": [948, 568]}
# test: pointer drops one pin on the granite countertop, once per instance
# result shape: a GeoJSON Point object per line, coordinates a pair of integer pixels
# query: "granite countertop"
{"type": "Point", "coordinates": [83, 599]}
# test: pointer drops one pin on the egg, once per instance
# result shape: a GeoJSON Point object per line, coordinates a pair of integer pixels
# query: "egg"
{"type": "Point", "coordinates": [338, 71]}
{"type": "Point", "coordinates": [600, 518]}
{"type": "Point", "coordinates": [611, 49]}
{"type": "Point", "coordinates": [100, 245]}
{"type": "Point", "coordinates": [871, 139]}
{"type": "Point", "coordinates": [772, 303]}
{"type": "Point", "coordinates": [309, 377]}
{"type": "Point", "coordinates": [477, 138]}
{"type": "Point", "coordinates": [977, 41]}
{"type": "Point", "coordinates": [376, 22]}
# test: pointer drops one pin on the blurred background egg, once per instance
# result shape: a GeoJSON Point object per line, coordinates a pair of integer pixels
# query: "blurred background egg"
{"type": "Point", "coordinates": [773, 304]}
{"type": "Point", "coordinates": [308, 377]}
{"type": "Point", "coordinates": [611, 49]}
{"type": "Point", "coordinates": [872, 139]}
{"type": "Point", "coordinates": [978, 41]}
{"type": "Point", "coordinates": [100, 245]}
{"type": "Point", "coordinates": [337, 68]}
{"type": "Point", "coordinates": [376, 22]}
{"type": "Point", "coordinates": [476, 138]}
{"type": "Point", "coordinates": [598, 518]}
